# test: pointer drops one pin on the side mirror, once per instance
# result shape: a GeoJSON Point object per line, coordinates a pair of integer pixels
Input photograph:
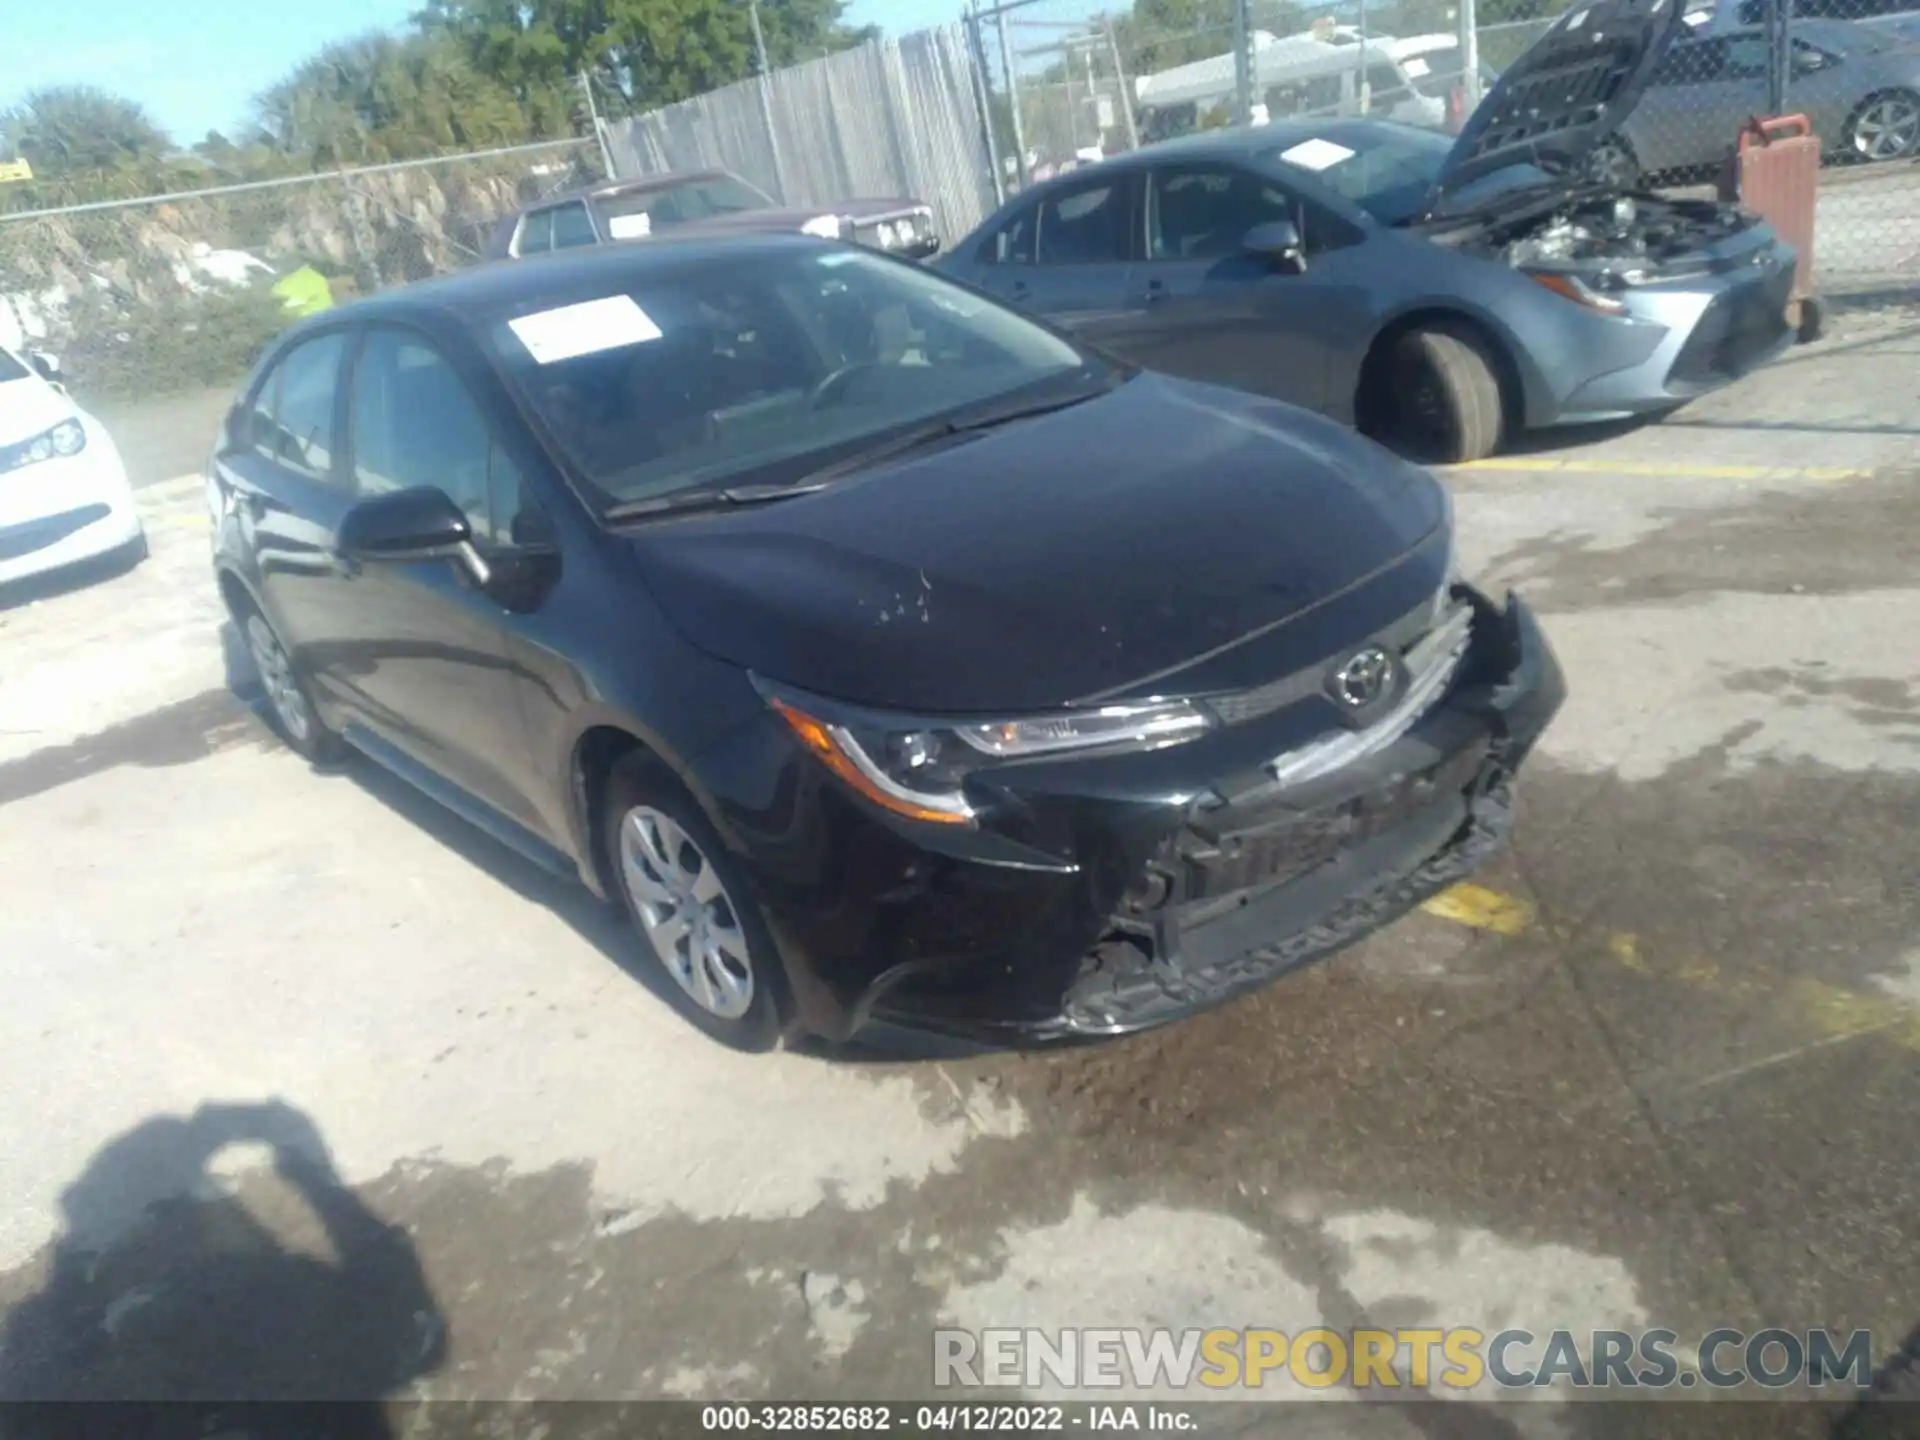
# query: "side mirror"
{"type": "Point", "coordinates": [1276, 240]}
{"type": "Point", "coordinates": [420, 523]}
{"type": "Point", "coordinates": [47, 367]}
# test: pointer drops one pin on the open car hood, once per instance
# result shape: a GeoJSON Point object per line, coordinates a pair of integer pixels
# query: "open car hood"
{"type": "Point", "coordinates": [1566, 95]}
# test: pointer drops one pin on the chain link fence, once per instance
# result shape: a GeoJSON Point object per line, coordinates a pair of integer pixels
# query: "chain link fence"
{"type": "Point", "coordinates": [893, 118]}
{"type": "Point", "coordinates": [140, 297]}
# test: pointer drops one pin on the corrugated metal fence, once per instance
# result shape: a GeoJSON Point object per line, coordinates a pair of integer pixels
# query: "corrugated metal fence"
{"type": "Point", "coordinates": [895, 117]}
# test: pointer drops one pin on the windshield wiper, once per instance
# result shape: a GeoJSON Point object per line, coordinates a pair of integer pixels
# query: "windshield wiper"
{"type": "Point", "coordinates": [683, 502]}
{"type": "Point", "coordinates": [945, 430]}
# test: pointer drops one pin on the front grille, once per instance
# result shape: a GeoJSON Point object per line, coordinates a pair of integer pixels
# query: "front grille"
{"type": "Point", "coordinates": [1403, 637]}
{"type": "Point", "coordinates": [1268, 847]}
{"type": "Point", "coordinates": [1122, 986]}
{"type": "Point", "coordinates": [1735, 331]}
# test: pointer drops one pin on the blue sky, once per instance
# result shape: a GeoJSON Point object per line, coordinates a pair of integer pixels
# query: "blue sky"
{"type": "Point", "coordinates": [195, 66]}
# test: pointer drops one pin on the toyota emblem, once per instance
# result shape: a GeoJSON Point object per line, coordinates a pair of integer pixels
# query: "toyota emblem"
{"type": "Point", "coordinates": [1363, 680]}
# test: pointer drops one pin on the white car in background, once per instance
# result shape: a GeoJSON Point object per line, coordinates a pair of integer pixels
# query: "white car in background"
{"type": "Point", "coordinates": [64, 495]}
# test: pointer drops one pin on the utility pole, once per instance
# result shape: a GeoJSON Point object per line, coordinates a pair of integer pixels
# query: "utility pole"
{"type": "Point", "coordinates": [1126, 89]}
{"type": "Point", "coordinates": [1242, 63]}
{"type": "Point", "coordinates": [766, 99]}
{"type": "Point", "coordinates": [593, 118]}
{"type": "Point", "coordinates": [1013, 99]}
{"type": "Point", "coordinates": [984, 100]}
{"type": "Point", "coordinates": [1469, 24]}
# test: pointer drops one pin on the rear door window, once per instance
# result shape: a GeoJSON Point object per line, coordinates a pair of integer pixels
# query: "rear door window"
{"type": "Point", "coordinates": [292, 420]}
{"type": "Point", "coordinates": [573, 226]}
{"type": "Point", "coordinates": [536, 233]}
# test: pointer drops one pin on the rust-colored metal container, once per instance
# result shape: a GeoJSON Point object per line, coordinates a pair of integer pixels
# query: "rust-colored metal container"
{"type": "Point", "coordinates": [1775, 173]}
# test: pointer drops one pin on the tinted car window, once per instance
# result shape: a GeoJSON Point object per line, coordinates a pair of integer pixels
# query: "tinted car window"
{"type": "Point", "coordinates": [536, 233]}
{"type": "Point", "coordinates": [293, 410]}
{"type": "Point", "coordinates": [1203, 213]}
{"type": "Point", "coordinates": [1012, 243]}
{"type": "Point", "coordinates": [572, 226]}
{"type": "Point", "coordinates": [1746, 57]}
{"type": "Point", "coordinates": [416, 423]}
{"type": "Point", "coordinates": [1692, 63]}
{"type": "Point", "coordinates": [713, 370]}
{"type": "Point", "coordinates": [1085, 225]}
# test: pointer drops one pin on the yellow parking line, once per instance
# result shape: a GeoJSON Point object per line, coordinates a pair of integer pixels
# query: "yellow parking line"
{"type": "Point", "coordinates": [1546, 464]}
{"type": "Point", "coordinates": [1826, 1011]}
{"type": "Point", "coordinates": [1483, 909]}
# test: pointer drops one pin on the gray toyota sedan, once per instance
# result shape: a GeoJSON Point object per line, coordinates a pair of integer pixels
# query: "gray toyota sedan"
{"type": "Point", "coordinates": [1440, 294]}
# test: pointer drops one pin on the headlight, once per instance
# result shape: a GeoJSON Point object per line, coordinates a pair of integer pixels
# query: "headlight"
{"type": "Point", "coordinates": [69, 437]}
{"type": "Point", "coordinates": [919, 770]}
{"type": "Point", "coordinates": [826, 227]}
{"type": "Point", "coordinates": [1572, 287]}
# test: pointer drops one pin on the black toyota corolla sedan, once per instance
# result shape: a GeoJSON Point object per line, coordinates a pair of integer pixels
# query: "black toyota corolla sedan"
{"type": "Point", "coordinates": [889, 656]}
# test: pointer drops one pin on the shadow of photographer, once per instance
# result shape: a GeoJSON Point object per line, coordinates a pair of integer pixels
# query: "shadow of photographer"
{"type": "Point", "coordinates": [168, 1286]}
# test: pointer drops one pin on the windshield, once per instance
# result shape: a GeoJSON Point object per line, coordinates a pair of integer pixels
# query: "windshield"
{"type": "Point", "coordinates": [1388, 171]}
{"type": "Point", "coordinates": [676, 204]}
{"type": "Point", "coordinates": [11, 368]}
{"type": "Point", "coordinates": [714, 371]}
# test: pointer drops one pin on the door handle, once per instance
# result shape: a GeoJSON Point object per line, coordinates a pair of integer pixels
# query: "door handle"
{"type": "Point", "coordinates": [1156, 291]}
{"type": "Point", "coordinates": [1019, 290]}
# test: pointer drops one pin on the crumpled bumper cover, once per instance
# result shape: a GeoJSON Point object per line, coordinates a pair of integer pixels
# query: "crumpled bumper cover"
{"type": "Point", "coordinates": [1369, 860]}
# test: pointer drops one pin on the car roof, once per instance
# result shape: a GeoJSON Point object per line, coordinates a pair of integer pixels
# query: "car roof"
{"type": "Point", "coordinates": [1229, 144]}
{"type": "Point", "coordinates": [638, 185]}
{"type": "Point", "coordinates": [484, 290]}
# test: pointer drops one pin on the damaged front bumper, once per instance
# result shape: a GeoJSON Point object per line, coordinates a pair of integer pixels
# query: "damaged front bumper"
{"type": "Point", "coordinates": [1248, 882]}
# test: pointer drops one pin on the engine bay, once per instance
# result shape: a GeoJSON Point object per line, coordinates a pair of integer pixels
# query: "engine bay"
{"type": "Point", "coordinates": [1610, 231]}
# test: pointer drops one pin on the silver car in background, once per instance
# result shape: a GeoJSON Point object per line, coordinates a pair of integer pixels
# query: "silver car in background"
{"type": "Point", "coordinates": [1859, 86]}
{"type": "Point", "coordinates": [1441, 295]}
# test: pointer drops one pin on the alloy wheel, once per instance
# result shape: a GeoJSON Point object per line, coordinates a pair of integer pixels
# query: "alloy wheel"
{"type": "Point", "coordinates": [685, 912]}
{"type": "Point", "coordinates": [1887, 128]}
{"type": "Point", "coordinates": [277, 678]}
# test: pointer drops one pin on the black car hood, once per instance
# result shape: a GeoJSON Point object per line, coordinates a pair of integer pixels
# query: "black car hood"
{"type": "Point", "coordinates": [1566, 95]}
{"type": "Point", "coordinates": [1056, 558]}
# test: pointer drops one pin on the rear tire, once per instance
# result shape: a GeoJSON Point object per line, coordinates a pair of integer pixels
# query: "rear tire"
{"type": "Point", "coordinates": [289, 701]}
{"type": "Point", "coordinates": [693, 914]}
{"type": "Point", "coordinates": [1440, 400]}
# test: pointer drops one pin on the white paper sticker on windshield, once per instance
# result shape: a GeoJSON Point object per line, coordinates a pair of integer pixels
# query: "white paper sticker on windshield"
{"type": "Point", "coordinates": [1414, 66]}
{"type": "Point", "coordinates": [1316, 154]}
{"type": "Point", "coordinates": [630, 227]}
{"type": "Point", "coordinates": [594, 325]}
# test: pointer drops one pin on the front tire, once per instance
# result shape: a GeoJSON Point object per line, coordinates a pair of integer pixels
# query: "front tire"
{"type": "Point", "coordinates": [1441, 399]}
{"type": "Point", "coordinates": [692, 910]}
{"type": "Point", "coordinates": [289, 702]}
{"type": "Point", "coordinates": [1885, 127]}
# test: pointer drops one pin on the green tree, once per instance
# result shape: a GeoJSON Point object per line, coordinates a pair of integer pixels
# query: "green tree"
{"type": "Point", "coordinates": [84, 143]}
{"type": "Point", "coordinates": [383, 97]}
{"type": "Point", "coordinates": [640, 54]}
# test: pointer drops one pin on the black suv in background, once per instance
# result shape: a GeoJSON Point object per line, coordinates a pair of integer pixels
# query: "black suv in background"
{"type": "Point", "coordinates": [886, 654]}
{"type": "Point", "coordinates": [709, 202]}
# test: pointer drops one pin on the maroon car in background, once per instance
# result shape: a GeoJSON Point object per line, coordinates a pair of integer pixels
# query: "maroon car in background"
{"type": "Point", "coordinates": [709, 202]}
